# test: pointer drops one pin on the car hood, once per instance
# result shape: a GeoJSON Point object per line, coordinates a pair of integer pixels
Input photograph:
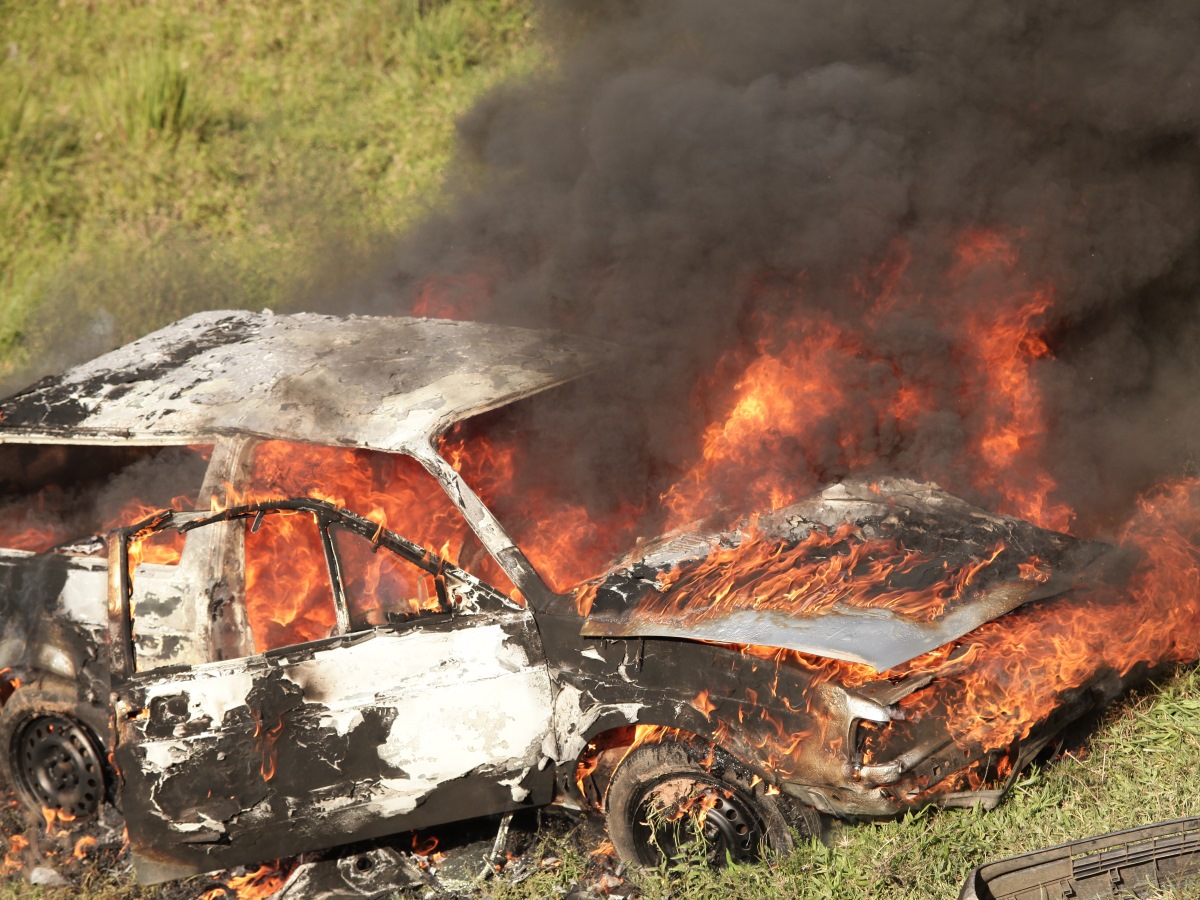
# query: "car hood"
{"type": "Point", "coordinates": [907, 541]}
{"type": "Point", "coordinates": [378, 383]}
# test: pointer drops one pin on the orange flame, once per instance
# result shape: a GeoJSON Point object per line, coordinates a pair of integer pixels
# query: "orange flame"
{"type": "Point", "coordinates": [47, 518]}
{"type": "Point", "coordinates": [812, 576]}
{"type": "Point", "coordinates": [605, 849]}
{"type": "Point", "coordinates": [267, 740]}
{"type": "Point", "coordinates": [84, 846]}
{"type": "Point", "coordinates": [17, 845]}
{"type": "Point", "coordinates": [703, 704]}
{"type": "Point", "coordinates": [815, 397]}
{"type": "Point", "coordinates": [55, 820]}
{"type": "Point", "coordinates": [257, 885]}
{"type": "Point", "coordinates": [426, 849]}
{"type": "Point", "coordinates": [1023, 663]}
{"type": "Point", "coordinates": [424, 846]}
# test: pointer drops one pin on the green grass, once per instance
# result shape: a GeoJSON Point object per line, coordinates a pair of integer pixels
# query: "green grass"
{"type": "Point", "coordinates": [160, 158]}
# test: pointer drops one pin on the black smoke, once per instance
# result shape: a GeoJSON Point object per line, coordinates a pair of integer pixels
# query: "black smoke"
{"type": "Point", "coordinates": [685, 165]}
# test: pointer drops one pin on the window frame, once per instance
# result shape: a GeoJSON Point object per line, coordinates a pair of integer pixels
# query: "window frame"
{"type": "Point", "coordinates": [326, 516]}
{"type": "Point", "coordinates": [407, 553]}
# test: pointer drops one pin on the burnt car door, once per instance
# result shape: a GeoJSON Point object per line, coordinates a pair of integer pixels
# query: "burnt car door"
{"type": "Point", "coordinates": [426, 698]}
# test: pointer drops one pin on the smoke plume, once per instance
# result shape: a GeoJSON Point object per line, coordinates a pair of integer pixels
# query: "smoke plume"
{"type": "Point", "coordinates": [694, 180]}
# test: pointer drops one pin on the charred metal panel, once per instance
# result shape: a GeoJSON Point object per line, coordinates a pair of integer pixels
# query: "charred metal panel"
{"type": "Point", "coordinates": [915, 762]}
{"type": "Point", "coordinates": [378, 872]}
{"type": "Point", "coordinates": [833, 778]}
{"type": "Point", "coordinates": [343, 739]}
{"type": "Point", "coordinates": [52, 605]}
{"type": "Point", "coordinates": [1138, 862]}
{"type": "Point", "coordinates": [786, 722]}
{"type": "Point", "coordinates": [47, 623]}
{"type": "Point", "coordinates": [1023, 563]}
{"type": "Point", "coordinates": [787, 719]}
{"type": "Point", "coordinates": [377, 383]}
{"type": "Point", "coordinates": [713, 692]}
{"type": "Point", "coordinates": [36, 590]}
{"type": "Point", "coordinates": [879, 638]}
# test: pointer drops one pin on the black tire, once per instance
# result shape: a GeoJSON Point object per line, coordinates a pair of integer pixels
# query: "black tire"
{"type": "Point", "coordinates": [49, 756]}
{"type": "Point", "coordinates": [662, 797]}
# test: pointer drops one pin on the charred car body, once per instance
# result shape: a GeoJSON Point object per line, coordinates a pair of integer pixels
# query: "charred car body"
{"type": "Point", "coordinates": [425, 694]}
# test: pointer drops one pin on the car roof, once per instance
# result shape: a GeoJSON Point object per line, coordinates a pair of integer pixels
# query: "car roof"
{"type": "Point", "coordinates": [379, 383]}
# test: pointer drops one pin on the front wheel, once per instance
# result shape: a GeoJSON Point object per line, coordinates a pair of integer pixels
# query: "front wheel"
{"type": "Point", "coordinates": [664, 804]}
{"type": "Point", "coordinates": [49, 757]}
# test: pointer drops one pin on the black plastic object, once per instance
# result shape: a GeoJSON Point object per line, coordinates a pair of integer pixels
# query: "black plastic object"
{"type": "Point", "coordinates": [1139, 862]}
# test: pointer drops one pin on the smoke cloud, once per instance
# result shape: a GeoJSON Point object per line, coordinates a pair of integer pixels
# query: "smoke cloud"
{"type": "Point", "coordinates": [690, 169]}
{"type": "Point", "coordinates": [709, 185]}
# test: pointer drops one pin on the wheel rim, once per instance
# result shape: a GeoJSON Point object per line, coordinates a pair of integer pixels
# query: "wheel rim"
{"type": "Point", "coordinates": [672, 813]}
{"type": "Point", "coordinates": [57, 766]}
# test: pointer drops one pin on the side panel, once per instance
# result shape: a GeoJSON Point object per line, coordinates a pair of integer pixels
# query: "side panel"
{"type": "Point", "coordinates": [51, 611]}
{"type": "Point", "coordinates": [51, 631]}
{"type": "Point", "coordinates": [333, 741]}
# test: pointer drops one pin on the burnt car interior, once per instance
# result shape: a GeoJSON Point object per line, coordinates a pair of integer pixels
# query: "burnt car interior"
{"type": "Point", "coordinates": [57, 493]}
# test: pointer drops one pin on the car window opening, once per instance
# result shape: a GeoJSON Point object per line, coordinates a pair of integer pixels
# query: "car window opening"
{"type": "Point", "coordinates": [51, 495]}
{"type": "Point", "coordinates": [389, 488]}
{"type": "Point", "coordinates": [382, 587]}
{"type": "Point", "coordinates": [289, 599]}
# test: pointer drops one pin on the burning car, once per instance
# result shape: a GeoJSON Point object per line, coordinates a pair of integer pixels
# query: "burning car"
{"type": "Point", "coordinates": [278, 674]}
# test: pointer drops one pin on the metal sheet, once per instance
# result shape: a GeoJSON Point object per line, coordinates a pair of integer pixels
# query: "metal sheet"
{"type": "Point", "coordinates": [366, 732]}
{"type": "Point", "coordinates": [378, 383]}
{"type": "Point", "coordinates": [952, 532]}
{"type": "Point", "coordinates": [878, 637]}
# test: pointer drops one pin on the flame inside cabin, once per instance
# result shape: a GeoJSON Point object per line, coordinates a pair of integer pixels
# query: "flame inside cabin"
{"type": "Point", "coordinates": [804, 382]}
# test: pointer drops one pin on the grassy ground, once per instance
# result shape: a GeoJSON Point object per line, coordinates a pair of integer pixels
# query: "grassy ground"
{"type": "Point", "coordinates": [160, 156]}
{"type": "Point", "coordinates": [156, 157]}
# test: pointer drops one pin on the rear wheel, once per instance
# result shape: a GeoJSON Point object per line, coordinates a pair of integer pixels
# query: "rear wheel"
{"type": "Point", "coordinates": [665, 804]}
{"type": "Point", "coordinates": [49, 757]}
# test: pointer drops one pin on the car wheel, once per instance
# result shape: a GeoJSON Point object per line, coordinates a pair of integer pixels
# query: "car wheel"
{"type": "Point", "coordinates": [665, 804]}
{"type": "Point", "coordinates": [49, 757]}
